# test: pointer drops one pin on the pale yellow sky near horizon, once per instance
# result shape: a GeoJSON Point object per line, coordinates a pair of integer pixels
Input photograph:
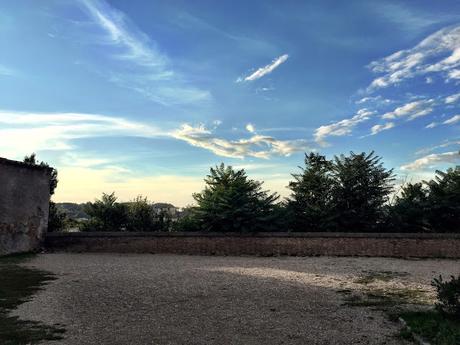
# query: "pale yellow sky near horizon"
{"type": "Point", "coordinates": [80, 185]}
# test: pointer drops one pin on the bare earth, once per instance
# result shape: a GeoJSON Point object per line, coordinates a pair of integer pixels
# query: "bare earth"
{"type": "Point", "coordinates": [172, 299]}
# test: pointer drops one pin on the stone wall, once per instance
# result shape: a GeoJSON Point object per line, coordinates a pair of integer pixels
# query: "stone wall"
{"type": "Point", "coordinates": [24, 206]}
{"type": "Point", "coordinates": [263, 244]}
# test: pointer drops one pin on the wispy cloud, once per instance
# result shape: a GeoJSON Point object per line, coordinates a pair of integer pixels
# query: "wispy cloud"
{"type": "Point", "coordinates": [258, 146]}
{"type": "Point", "coordinates": [452, 98]}
{"type": "Point", "coordinates": [411, 110]}
{"type": "Point", "coordinates": [250, 128]}
{"type": "Point", "coordinates": [455, 142]}
{"type": "Point", "coordinates": [151, 73]}
{"type": "Point", "coordinates": [262, 71]}
{"type": "Point", "coordinates": [450, 121]}
{"type": "Point", "coordinates": [379, 128]}
{"type": "Point", "coordinates": [438, 53]}
{"type": "Point", "coordinates": [430, 161]}
{"type": "Point", "coordinates": [31, 132]}
{"type": "Point", "coordinates": [343, 127]}
{"type": "Point", "coordinates": [454, 119]}
{"type": "Point", "coordinates": [6, 71]}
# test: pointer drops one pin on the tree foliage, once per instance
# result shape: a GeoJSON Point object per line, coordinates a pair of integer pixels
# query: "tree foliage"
{"type": "Point", "coordinates": [362, 186]}
{"type": "Point", "coordinates": [432, 206]}
{"type": "Point", "coordinates": [32, 160]}
{"type": "Point", "coordinates": [310, 206]}
{"type": "Point", "coordinates": [233, 202]}
{"type": "Point", "coordinates": [348, 193]}
{"type": "Point", "coordinates": [106, 214]}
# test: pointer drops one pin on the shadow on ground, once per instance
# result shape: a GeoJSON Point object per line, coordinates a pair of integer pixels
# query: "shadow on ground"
{"type": "Point", "coordinates": [17, 285]}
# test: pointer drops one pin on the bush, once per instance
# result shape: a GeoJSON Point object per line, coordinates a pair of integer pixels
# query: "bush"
{"type": "Point", "coordinates": [106, 215]}
{"type": "Point", "coordinates": [140, 216]}
{"type": "Point", "coordinates": [448, 294]}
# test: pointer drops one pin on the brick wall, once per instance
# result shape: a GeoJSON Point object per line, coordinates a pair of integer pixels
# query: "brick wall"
{"type": "Point", "coordinates": [263, 244]}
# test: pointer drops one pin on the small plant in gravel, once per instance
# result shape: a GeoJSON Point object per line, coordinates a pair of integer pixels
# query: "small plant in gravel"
{"type": "Point", "coordinates": [448, 294]}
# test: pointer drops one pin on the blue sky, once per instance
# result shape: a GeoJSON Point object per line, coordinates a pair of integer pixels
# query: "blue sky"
{"type": "Point", "coordinates": [141, 97]}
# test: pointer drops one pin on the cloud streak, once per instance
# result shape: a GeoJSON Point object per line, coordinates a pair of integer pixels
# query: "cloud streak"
{"type": "Point", "coordinates": [257, 146]}
{"type": "Point", "coordinates": [430, 161]}
{"type": "Point", "coordinates": [437, 53]}
{"type": "Point", "coordinates": [263, 71]}
{"type": "Point", "coordinates": [149, 72]}
{"type": "Point", "coordinates": [411, 110]}
{"type": "Point", "coordinates": [341, 128]}
{"type": "Point", "coordinates": [31, 132]}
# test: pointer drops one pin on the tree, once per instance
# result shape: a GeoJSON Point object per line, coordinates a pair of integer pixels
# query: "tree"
{"type": "Point", "coordinates": [140, 215]}
{"type": "Point", "coordinates": [32, 160]}
{"type": "Point", "coordinates": [444, 201]}
{"type": "Point", "coordinates": [408, 213]}
{"type": "Point", "coordinates": [106, 214]}
{"type": "Point", "coordinates": [232, 202]}
{"type": "Point", "coordinates": [361, 189]}
{"type": "Point", "coordinates": [310, 203]}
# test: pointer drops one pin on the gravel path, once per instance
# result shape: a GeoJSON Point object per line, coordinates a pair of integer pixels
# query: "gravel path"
{"type": "Point", "coordinates": [171, 299]}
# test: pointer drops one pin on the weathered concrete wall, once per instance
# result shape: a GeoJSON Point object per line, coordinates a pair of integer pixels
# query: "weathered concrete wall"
{"type": "Point", "coordinates": [24, 206]}
{"type": "Point", "coordinates": [263, 244]}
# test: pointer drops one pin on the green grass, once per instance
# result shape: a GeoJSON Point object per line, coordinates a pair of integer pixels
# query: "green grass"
{"type": "Point", "coordinates": [433, 326]}
{"type": "Point", "coordinates": [369, 277]}
{"type": "Point", "coordinates": [17, 285]}
{"type": "Point", "coordinates": [386, 298]}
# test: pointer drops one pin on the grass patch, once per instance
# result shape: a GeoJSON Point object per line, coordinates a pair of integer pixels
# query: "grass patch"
{"type": "Point", "coordinates": [17, 285]}
{"type": "Point", "coordinates": [369, 277]}
{"type": "Point", "coordinates": [385, 298]}
{"type": "Point", "coordinates": [435, 327]}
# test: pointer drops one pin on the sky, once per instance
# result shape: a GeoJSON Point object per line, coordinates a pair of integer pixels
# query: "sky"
{"type": "Point", "coordinates": [142, 97]}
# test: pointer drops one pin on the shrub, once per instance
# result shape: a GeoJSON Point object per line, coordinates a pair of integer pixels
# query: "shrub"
{"type": "Point", "coordinates": [105, 214]}
{"type": "Point", "coordinates": [140, 215]}
{"type": "Point", "coordinates": [448, 294]}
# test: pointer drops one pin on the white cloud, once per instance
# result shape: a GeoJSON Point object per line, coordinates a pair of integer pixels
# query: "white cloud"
{"type": "Point", "coordinates": [429, 56]}
{"type": "Point", "coordinates": [31, 132]}
{"type": "Point", "coordinates": [452, 120]}
{"type": "Point", "coordinates": [430, 161]}
{"type": "Point", "coordinates": [443, 145]}
{"type": "Point", "coordinates": [266, 69]}
{"type": "Point", "coordinates": [452, 98]}
{"type": "Point", "coordinates": [411, 110]}
{"type": "Point", "coordinates": [378, 128]}
{"type": "Point", "coordinates": [153, 75]}
{"type": "Point", "coordinates": [250, 128]}
{"type": "Point", "coordinates": [432, 125]}
{"type": "Point", "coordinates": [343, 127]}
{"type": "Point", "coordinates": [258, 146]}
{"type": "Point", "coordinates": [454, 74]}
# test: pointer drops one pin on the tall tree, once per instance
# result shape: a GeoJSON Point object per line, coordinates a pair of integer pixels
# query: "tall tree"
{"type": "Point", "coordinates": [106, 214]}
{"type": "Point", "coordinates": [408, 213]}
{"type": "Point", "coordinates": [310, 203]}
{"type": "Point", "coordinates": [444, 201]}
{"type": "Point", "coordinates": [362, 186]}
{"type": "Point", "coordinates": [233, 202]}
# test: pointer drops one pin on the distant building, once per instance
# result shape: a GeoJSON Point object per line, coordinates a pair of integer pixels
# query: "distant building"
{"type": "Point", "coordinates": [166, 209]}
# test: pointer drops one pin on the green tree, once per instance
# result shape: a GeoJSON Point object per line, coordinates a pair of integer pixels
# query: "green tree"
{"type": "Point", "coordinates": [233, 202]}
{"type": "Point", "coordinates": [310, 203]}
{"type": "Point", "coordinates": [32, 160]}
{"type": "Point", "coordinates": [444, 201]}
{"type": "Point", "coordinates": [408, 213]}
{"type": "Point", "coordinates": [106, 214]}
{"type": "Point", "coordinates": [362, 186]}
{"type": "Point", "coordinates": [140, 215]}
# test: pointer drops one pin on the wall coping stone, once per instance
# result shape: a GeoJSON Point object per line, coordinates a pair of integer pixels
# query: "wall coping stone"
{"type": "Point", "coordinates": [5, 161]}
{"type": "Point", "coordinates": [255, 235]}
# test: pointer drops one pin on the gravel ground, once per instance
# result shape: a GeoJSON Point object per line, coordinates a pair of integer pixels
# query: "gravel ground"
{"type": "Point", "coordinates": [171, 299]}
